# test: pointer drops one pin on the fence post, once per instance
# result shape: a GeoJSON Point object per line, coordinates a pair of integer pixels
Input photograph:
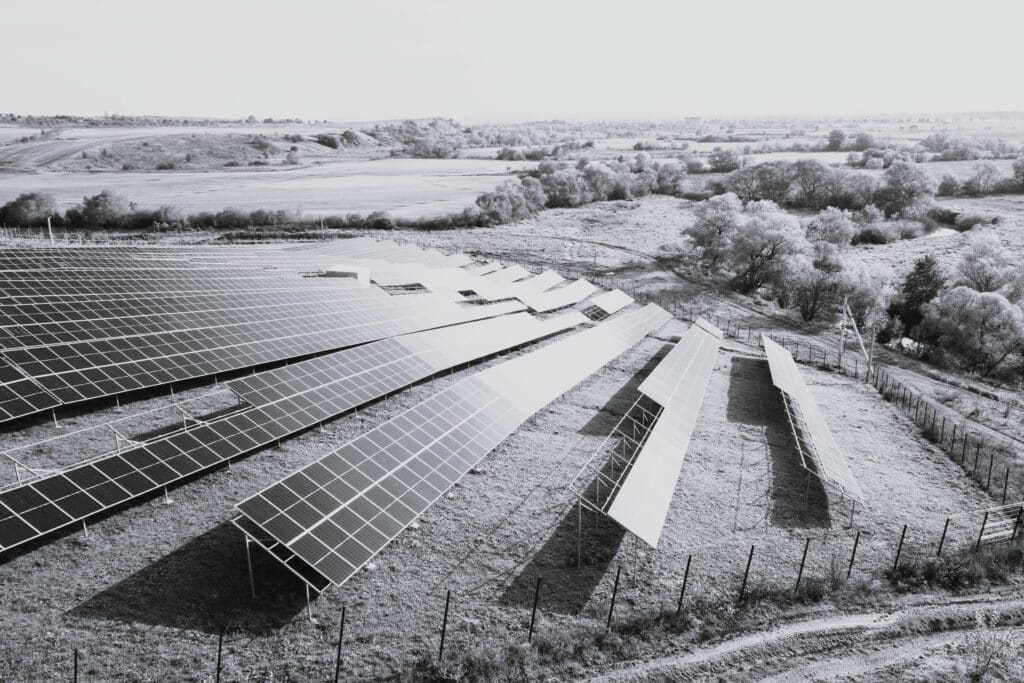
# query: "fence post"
{"type": "Point", "coordinates": [799, 574]}
{"type": "Point", "coordinates": [1016, 523]}
{"type": "Point", "coordinates": [856, 542]}
{"type": "Point", "coordinates": [75, 679]}
{"type": "Point", "coordinates": [1006, 480]}
{"type": "Point", "coordinates": [945, 527]}
{"type": "Point", "coordinates": [977, 453]}
{"type": "Point", "coordinates": [686, 576]}
{"type": "Point", "coordinates": [984, 521]}
{"type": "Point", "coordinates": [988, 480]}
{"type": "Point", "coordinates": [341, 637]}
{"type": "Point", "coordinates": [942, 436]}
{"type": "Point", "coordinates": [746, 572]}
{"type": "Point", "coordinates": [444, 625]}
{"type": "Point", "coordinates": [220, 647]}
{"type": "Point", "coordinates": [533, 616]}
{"type": "Point", "coordinates": [963, 454]}
{"type": "Point", "coordinates": [899, 549]}
{"type": "Point", "coordinates": [615, 591]}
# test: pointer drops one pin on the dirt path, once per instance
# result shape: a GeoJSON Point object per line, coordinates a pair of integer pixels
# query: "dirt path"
{"type": "Point", "coordinates": [831, 647]}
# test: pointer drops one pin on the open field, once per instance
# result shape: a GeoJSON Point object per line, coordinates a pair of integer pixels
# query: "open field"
{"type": "Point", "coordinates": [403, 187]}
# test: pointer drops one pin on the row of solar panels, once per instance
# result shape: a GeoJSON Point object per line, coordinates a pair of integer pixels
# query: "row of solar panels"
{"type": "Point", "coordinates": [107, 340]}
{"type": "Point", "coordinates": [281, 402]}
{"type": "Point", "coordinates": [326, 521]}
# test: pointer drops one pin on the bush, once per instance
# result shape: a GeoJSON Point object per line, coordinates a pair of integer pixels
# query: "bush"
{"type": "Point", "coordinates": [723, 161]}
{"type": "Point", "coordinates": [872, 234]}
{"type": "Point", "coordinates": [327, 140]}
{"type": "Point", "coordinates": [129, 167]}
{"type": "Point", "coordinates": [949, 186]}
{"type": "Point", "coordinates": [967, 221]}
{"type": "Point", "coordinates": [834, 226]}
{"type": "Point", "coordinates": [166, 166]}
{"type": "Point", "coordinates": [230, 164]}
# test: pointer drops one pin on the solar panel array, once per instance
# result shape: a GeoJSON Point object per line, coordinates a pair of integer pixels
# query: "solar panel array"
{"type": "Point", "coordinates": [606, 304]}
{"type": "Point", "coordinates": [327, 520]}
{"type": "Point", "coordinates": [284, 401]}
{"type": "Point", "coordinates": [814, 438]}
{"type": "Point", "coordinates": [678, 383]}
{"type": "Point", "coordinates": [84, 323]}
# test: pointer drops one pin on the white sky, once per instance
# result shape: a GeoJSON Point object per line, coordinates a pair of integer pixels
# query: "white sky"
{"type": "Point", "coordinates": [479, 60]}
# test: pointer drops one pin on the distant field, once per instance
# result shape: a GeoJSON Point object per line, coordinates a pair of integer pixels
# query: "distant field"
{"type": "Point", "coordinates": [404, 187]}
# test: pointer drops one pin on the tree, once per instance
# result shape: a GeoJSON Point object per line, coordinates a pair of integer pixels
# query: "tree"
{"type": "Point", "coordinates": [987, 266]}
{"type": "Point", "coordinates": [903, 185]}
{"type": "Point", "coordinates": [922, 284]}
{"type": "Point", "coordinates": [815, 291]}
{"type": "Point", "coordinates": [715, 224]}
{"type": "Point", "coordinates": [836, 138]}
{"type": "Point", "coordinates": [1018, 169]}
{"type": "Point", "coordinates": [28, 210]}
{"type": "Point", "coordinates": [868, 292]}
{"type": "Point", "coordinates": [773, 181]}
{"type": "Point", "coordinates": [979, 331]}
{"type": "Point", "coordinates": [810, 178]}
{"type": "Point", "coordinates": [982, 180]}
{"type": "Point", "coordinates": [761, 243]}
{"type": "Point", "coordinates": [723, 160]}
{"type": "Point", "coordinates": [834, 226]}
{"type": "Point", "coordinates": [862, 141]}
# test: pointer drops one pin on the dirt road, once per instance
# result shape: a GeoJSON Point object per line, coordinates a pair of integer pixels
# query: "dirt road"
{"type": "Point", "coordinates": [837, 646]}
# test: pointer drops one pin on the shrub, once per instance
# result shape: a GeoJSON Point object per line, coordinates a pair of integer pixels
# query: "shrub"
{"type": "Point", "coordinates": [872, 234]}
{"type": "Point", "coordinates": [874, 164]}
{"type": "Point", "coordinates": [834, 226]}
{"type": "Point", "coordinates": [723, 161]}
{"type": "Point", "coordinates": [981, 332]}
{"type": "Point", "coordinates": [129, 167]}
{"type": "Point", "coordinates": [327, 140]}
{"type": "Point", "coordinates": [166, 166]}
{"type": "Point", "coordinates": [232, 163]}
{"type": "Point", "coordinates": [949, 186]}
{"type": "Point", "coordinates": [293, 137]}
{"type": "Point", "coordinates": [836, 138]}
{"type": "Point", "coordinates": [761, 245]}
{"type": "Point", "coordinates": [966, 221]}
{"type": "Point", "coordinates": [695, 165]}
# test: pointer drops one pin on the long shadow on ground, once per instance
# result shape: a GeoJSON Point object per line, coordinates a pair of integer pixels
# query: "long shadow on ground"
{"type": "Point", "coordinates": [615, 407]}
{"type": "Point", "coordinates": [201, 586]}
{"type": "Point", "coordinates": [798, 498]}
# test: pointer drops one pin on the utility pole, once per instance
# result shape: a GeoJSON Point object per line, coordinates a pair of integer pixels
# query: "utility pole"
{"type": "Point", "coordinates": [49, 229]}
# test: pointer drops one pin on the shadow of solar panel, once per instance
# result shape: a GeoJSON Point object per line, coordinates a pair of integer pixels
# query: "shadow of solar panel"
{"type": "Point", "coordinates": [813, 436]}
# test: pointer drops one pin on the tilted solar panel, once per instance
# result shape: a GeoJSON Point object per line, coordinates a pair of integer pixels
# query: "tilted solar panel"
{"type": "Point", "coordinates": [663, 381]}
{"type": "Point", "coordinates": [643, 498]}
{"type": "Point", "coordinates": [39, 507]}
{"type": "Point", "coordinates": [336, 513]}
{"type": "Point", "coordinates": [812, 433]}
{"type": "Point", "coordinates": [553, 299]}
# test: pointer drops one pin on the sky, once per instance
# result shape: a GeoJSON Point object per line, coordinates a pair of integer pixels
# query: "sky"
{"type": "Point", "coordinates": [479, 60]}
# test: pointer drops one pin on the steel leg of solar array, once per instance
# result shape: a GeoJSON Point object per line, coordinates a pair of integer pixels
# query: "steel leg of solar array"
{"type": "Point", "coordinates": [248, 561]}
{"type": "Point", "coordinates": [579, 535]}
{"type": "Point", "coordinates": [85, 529]}
{"type": "Point", "coordinates": [309, 605]}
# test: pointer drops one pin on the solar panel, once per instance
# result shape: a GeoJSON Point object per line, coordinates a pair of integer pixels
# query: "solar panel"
{"type": "Point", "coordinates": [813, 436]}
{"type": "Point", "coordinates": [20, 396]}
{"type": "Point", "coordinates": [664, 380]}
{"type": "Point", "coordinates": [336, 513]}
{"type": "Point", "coordinates": [571, 294]}
{"type": "Point", "coordinates": [510, 274]}
{"type": "Point", "coordinates": [288, 402]}
{"type": "Point", "coordinates": [84, 370]}
{"type": "Point", "coordinates": [642, 499]}
{"type": "Point", "coordinates": [612, 302]}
